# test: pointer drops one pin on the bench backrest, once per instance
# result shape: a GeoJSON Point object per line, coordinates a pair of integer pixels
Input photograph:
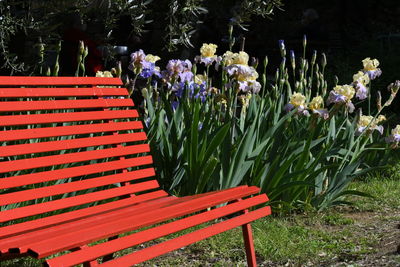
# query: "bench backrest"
{"type": "Point", "coordinates": [68, 142]}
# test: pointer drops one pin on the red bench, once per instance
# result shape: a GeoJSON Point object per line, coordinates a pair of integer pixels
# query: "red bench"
{"type": "Point", "coordinates": [76, 179]}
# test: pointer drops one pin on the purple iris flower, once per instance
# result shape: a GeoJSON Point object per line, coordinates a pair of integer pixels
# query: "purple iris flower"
{"type": "Point", "coordinates": [205, 60]}
{"type": "Point", "coordinates": [394, 138]}
{"type": "Point", "coordinates": [350, 107]}
{"type": "Point", "coordinates": [149, 69]}
{"type": "Point", "coordinates": [361, 91]}
{"type": "Point", "coordinates": [175, 66]}
{"type": "Point", "coordinates": [174, 105]}
{"type": "Point", "coordinates": [373, 74]}
{"type": "Point", "coordinates": [193, 90]}
{"type": "Point", "coordinates": [361, 129]}
{"type": "Point", "coordinates": [288, 107]}
{"type": "Point", "coordinates": [301, 110]}
{"type": "Point", "coordinates": [182, 69]}
{"type": "Point", "coordinates": [335, 98]}
{"type": "Point", "coordinates": [147, 122]}
{"type": "Point", "coordinates": [137, 59]}
{"type": "Point", "coordinates": [186, 76]}
{"type": "Point", "coordinates": [323, 113]}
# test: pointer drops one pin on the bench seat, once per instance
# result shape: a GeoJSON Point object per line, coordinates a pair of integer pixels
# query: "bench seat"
{"type": "Point", "coordinates": [77, 179]}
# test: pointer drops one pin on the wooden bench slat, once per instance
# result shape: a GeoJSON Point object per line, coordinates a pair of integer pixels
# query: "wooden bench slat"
{"type": "Point", "coordinates": [61, 92]}
{"type": "Point", "coordinates": [74, 219]}
{"type": "Point", "coordinates": [55, 81]}
{"type": "Point", "coordinates": [13, 135]}
{"type": "Point", "coordinates": [46, 176]}
{"type": "Point", "coordinates": [10, 106]}
{"type": "Point", "coordinates": [187, 239]}
{"type": "Point", "coordinates": [32, 163]}
{"type": "Point", "coordinates": [86, 129]}
{"type": "Point", "coordinates": [31, 148]}
{"type": "Point", "coordinates": [46, 222]}
{"type": "Point", "coordinates": [58, 189]}
{"type": "Point", "coordinates": [63, 203]}
{"type": "Point", "coordinates": [21, 242]}
{"type": "Point", "coordinates": [99, 250]}
{"type": "Point", "coordinates": [13, 120]}
{"type": "Point", "coordinates": [86, 236]}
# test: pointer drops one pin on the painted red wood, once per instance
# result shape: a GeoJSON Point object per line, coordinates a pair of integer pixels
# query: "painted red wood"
{"type": "Point", "coordinates": [13, 135]}
{"type": "Point", "coordinates": [30, 148]}
{"type": "Point", "coordinates": [13, 120]}
{"type": "Point", "coordinates": [19, 243]}
{"type": "Point", "coordinates": [107, 214]}
{"type": "Point", "coordinates": [47, 176]}
{"type": "Point", "coordinates": [11, 231]}
{"type": "Point", "coordinates": [184, 240]}
{"type": "Point", "coordinates": [97, 251]}
{"type": "Point", "coordinates": [61, 92]}
{"type": "Point", "coordinates": [63, 203]}
{"type": "Point", "coordinates": [249, 245]}
{"type": "Point", "coordinates": [85, 236]}
{"type": "Point", "coordinates": [64, 104]}
{"type": "Point", "coordinates": [134, 205]}
{"type": "Point", "coordinates": [54, 190]}
{"type": "Point", "coordinates": [57, 81]}
{"type": "Point", "coordinates": [31, 163]}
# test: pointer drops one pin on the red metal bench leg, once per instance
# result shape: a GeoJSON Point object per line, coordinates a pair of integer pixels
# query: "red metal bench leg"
{"type": "Point", "coordinates": [249, 244]}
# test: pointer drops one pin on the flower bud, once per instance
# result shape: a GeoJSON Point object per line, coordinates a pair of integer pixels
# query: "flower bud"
{"type": "Point", "coordinates": [292, 59]}
{"type": "Point", "coordinates": [283, 63]}
{"type": "Point", "coordinates": [304, 40]}
{"type": "Point", "coordinates": [48, 72]}
{"type": "Point", "coordinates": [213, 90]}
{"type": "Point", "coordinates": [144, 92]}
{"type": "Point", "coordinates": [379, 101]}
{"type": "Point", "coordinates": [56, 69]}
{"type": "Point", "coordinates": [265, 61]}
{"type": "Point", "coordinates": [314, 57]}
{"type": "Point", "coordinates": [194, 69]}
{"type": "Point", "coordinates": [277, 75]}
{"type": "Point", "coordinates": [79, 58]}
{"type": "Point", "coordinates": [282, 47]}
{"type": "Point", "coordinates": [254, 62]}
{"type": "Point", "coordinates": [118, 69]}
{"type": "Point", "coordinates": [303, 63]}
{"type": "Point", "coordinates": [323, 60]}
{"type": "Point", "coordinates": [58, 47]}
{"type": "Point", "coordinates": [394, 87]}
{"type": "Point", "coordinates": [85, 52]}
{"type": "Point", "coordinates": [81, 49]}
{"type": "Point", "coordinates": [40, 48]}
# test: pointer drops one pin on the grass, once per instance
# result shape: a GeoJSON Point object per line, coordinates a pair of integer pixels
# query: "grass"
{"type": "Point", "coordinates": [337, 235]}
{"type": "Point", "coordinates": [384, 186]}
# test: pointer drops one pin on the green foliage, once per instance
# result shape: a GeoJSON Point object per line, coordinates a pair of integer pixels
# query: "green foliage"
{"type": "Point", "coordinates": [34, 19]}
{"type": "Point", "coordinates": [232, 138]}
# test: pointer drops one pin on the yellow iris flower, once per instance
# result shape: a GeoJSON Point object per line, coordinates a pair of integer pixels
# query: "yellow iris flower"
{"type": "Point", "coordinates": [345, 90]}
{"type": "Point", "coordinates": [297, 99]}
{"type": "Point", "coordinates": [208, 50]}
